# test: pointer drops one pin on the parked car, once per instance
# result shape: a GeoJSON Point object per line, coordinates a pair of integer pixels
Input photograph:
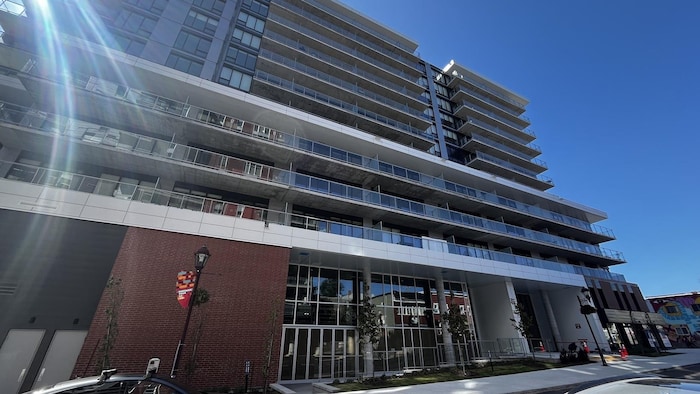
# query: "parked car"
{"type": "Point", "coordinates": [109, 382]}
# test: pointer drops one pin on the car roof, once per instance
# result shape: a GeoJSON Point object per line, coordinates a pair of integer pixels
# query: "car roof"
{"type": "Point", "coordinates": [80, 382]}
{"type": "Point", "coordinates": [641, 385]}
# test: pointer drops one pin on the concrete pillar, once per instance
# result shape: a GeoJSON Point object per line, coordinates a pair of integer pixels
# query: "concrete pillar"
{"type": "Point", "coordinates": [512, 297]}
{"type": "Point", "coordinates": [552, 321]}
{"type": "Point", "coordinates": [446, 335]}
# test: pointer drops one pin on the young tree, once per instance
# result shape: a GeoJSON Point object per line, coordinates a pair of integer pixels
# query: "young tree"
{"type": "Point", "coordinates": [272, 334]}
{"type": "Point", "coordinates": [524, 322]}
{"type": "Point", "coordinates": [458, 326]}
{"type": "Point", "coordinates": [115, 296]}
{"type": "Point", "coordinates": [369, 328]}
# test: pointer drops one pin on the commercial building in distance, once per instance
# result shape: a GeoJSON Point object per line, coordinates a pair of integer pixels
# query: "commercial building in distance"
{"type": "Point", "coordinates": [681, 315]}
{"type": "Point", "coordinates": [320, 160]}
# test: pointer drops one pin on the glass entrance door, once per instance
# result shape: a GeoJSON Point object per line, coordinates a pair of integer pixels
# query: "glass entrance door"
{"type": "Point", "coordinates": [318, 353]}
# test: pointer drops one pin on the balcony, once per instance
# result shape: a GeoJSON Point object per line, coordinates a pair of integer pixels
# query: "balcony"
{"type": "Point", "coordinates": [461, 91]}
{"type": "Point", "coordinates": [457, 79]}
{"type": "Point", "coordinates": [332, 83]}
{"type": "Point", "coordinates": [120, 98]}
{"type": "Point", "coordinates": [66, 181]}
{"type": "Point", "coordinates": [561, 223]}
{"type": "Point", "coordinates": [392, 43]}
{"type": "Point", "coordinates": [383, 126]}
{"type": "Point", "coordinates": [252, 173]}
{"type": "Point", "coordinates": [485, 162]}
{"type": "Point", "coordinates": [477, 143]}
{"type": "Point", "coordinates": [496, 133]}
{"type": "Point", "coordinates": [467, 110]}
{"type": "Point", "coordinates": [387, 50]}
{"type": "Point", "coordinates": [284, 24]}
{"type": "Point", "coordinates": [283, 40]}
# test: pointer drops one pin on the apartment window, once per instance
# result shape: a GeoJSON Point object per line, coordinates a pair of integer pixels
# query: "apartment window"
{"type": "Point", "coordinates": [437, 75]}
{"type": "Point", "coordinates": [154, 6]}
{"type": "Point", "coordinates": [192, 44]}
{"type": "Point", "coordinates": [682, 331]}
{"type": "Point", "coordinates": [671, 309]}
{"type": "Point", "coordinates": [252, 22]}
{"type": "Point", "coordinates": [439, 89]}
{"type": "Point", "coordinates": [235, 79]}
{"type": "Point", "coordinates": [696, 307]}
{"type": "Point", "coordinates": [451, 137]}
{"type": "Point", "coordinates": [201, 22]}
{"type": "Point", "coordinates": [184, 64]}
{"type": "Point", "coordinates": [246, 38]}
{"type": "Point", "coordinates": [447, 120]}
{"type": "Point", "coordinates": [241, 58]}
{"type": "Point", "coordinates": [128, 45]}
{"type": "Point", "coordinates": [135, 23]}
{"type": "Point", "coordinates": [215, 6]}
{"type": "Point", "coordinates": [444, 104]}
{"type": "Point", "coordinates": [256, 6]}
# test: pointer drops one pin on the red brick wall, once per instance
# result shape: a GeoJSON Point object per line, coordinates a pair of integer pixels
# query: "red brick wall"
{"type": "Point", "coordinates": [246, 283]}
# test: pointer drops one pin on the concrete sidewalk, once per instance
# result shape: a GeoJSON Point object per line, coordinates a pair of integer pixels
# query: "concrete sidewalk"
{"type": "Point", "coordinates": [550, 378]}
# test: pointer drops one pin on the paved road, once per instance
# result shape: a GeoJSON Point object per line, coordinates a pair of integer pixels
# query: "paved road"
{"type": "Point", "coordinates": [684, 372]}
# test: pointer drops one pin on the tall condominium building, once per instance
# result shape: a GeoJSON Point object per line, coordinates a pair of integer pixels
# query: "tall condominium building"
{"type": "Point", "coordinates": [321, 161]}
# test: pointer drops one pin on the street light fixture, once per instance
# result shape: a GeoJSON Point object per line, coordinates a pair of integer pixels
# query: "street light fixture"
{"type": "Point", "coordinates": [200, 260]}
{"type": "Point", "coordinates": [587, 309]}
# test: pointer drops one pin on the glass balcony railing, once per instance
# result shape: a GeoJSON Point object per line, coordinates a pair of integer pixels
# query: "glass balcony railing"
{"type": "Point", "coordinates": [349, 34]}
{"type": "Point", "coordinates": [341, 64]}
{"type": "Point", "coordinates": [511, 166]}
{"type": "Point", "coordinates": [487, 88]}
{"type": "Point", "coordinates": [133, 192]}
{"type": "Point", "coordinates": [498, 145]}
{"type": "Point", "coordinates": [495, 130]}
{"type": "Point", "coordinates": [334, 44]}
{"type": "Point", "coordinates": [355, 22]}
{"type": "Point", "coordinates": [202, 115]}
{"type": "Point", "coordinates": [497, 117]}
{"type": "Point", "coordinates": [320, 97]}
{"type": "Point", "coordinates": [235, 125]}
{"type": "Point", "coordinates": [125, 141]}
{"type": "Point", "coordinates": [338, 82]}
{"type": "Point", "coordinates": [489, 100]}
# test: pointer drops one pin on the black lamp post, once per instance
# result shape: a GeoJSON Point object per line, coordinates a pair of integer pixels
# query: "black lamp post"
{"type": "Point", "coordinates": [587, 309]}
{"type": "Point", "coordinates": [200, 260]}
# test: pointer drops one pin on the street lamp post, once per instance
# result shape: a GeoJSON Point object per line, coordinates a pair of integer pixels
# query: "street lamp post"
{"type": "Point", "coordinates": [200, 260]}
{"type": "Point", "coordinates": [587, 309]}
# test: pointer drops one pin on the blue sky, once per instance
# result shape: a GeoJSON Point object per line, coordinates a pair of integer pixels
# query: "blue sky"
{"type": "Point", "coordinates": [614, 90]}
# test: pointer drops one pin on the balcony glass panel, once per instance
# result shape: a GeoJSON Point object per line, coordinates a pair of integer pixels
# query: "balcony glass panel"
{"type": "Point", "coordinates": [162, 148]}
{"type": "Point", "coordinates": [109, 187]}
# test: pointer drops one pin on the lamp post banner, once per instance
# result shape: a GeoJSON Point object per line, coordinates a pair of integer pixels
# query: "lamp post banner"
{"type": "Point", "coordinates": [185, 285]}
